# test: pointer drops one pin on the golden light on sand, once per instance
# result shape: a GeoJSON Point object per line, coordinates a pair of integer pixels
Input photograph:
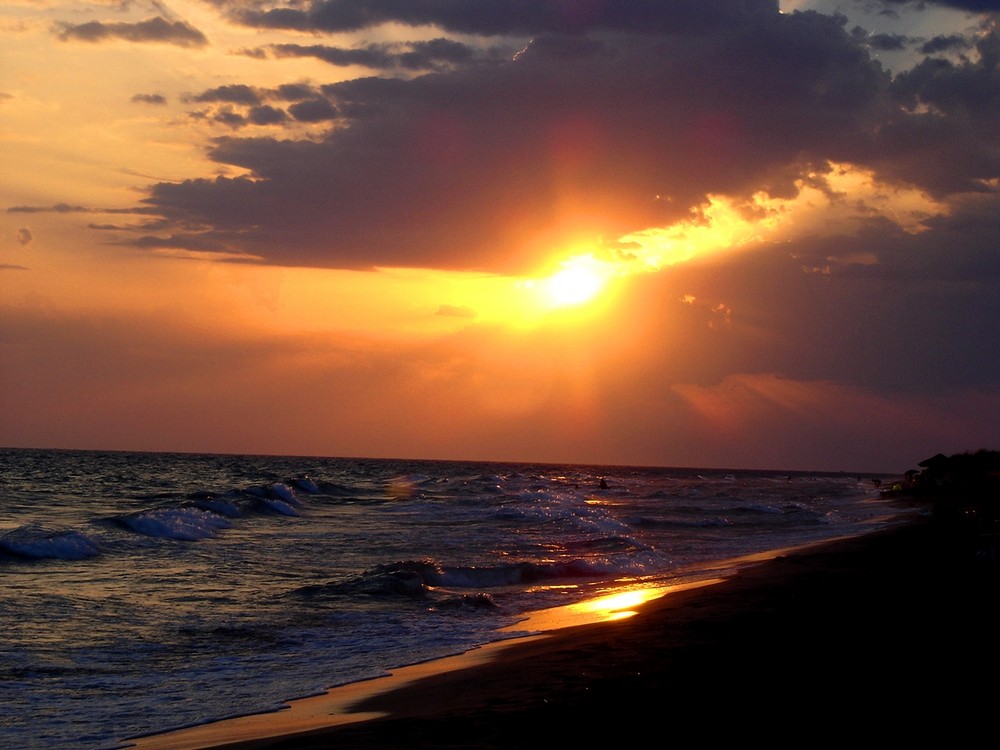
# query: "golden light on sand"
{"type": "Point", "coordinates": [619, 606]}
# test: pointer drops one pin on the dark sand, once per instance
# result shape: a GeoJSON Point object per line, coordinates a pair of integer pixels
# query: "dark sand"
{"type": "Point", "coordinates": [891, 637]}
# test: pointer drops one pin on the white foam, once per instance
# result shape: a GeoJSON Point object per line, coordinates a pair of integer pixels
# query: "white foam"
{"type": "Point", "coordinates": [39, 543]}
{"type": "Point", "coordinates": [283, 492]}
{"type": "Point", "coordinates": [279, 506]}
{"type": "Point", "coordinates": [185, 524]}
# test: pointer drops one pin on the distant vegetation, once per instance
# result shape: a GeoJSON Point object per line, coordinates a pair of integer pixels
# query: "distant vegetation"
{"type": "Point", "coordinates": [963, 492]}
{"type": "Point", "coordinates": [973, 475]}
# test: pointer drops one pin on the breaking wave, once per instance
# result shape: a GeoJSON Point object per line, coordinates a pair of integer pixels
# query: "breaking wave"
{"type": "Point", "coordinates": [37, 542]}
{"type": "Point", "coordinates": [185, 524]}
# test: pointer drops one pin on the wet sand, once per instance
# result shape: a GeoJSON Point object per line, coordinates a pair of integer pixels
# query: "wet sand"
{"type": "Point", "coordinates": [889, 637]}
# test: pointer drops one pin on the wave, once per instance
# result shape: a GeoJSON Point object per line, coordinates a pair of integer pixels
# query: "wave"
{"type": "Point", "coordinates": [37, 542]}
{"type": "Point", "coordinates": [279, 506]}
{"type": "Point", "coordinates": [468, 602]}
{"type": "Point", "coordinates": [399, 580]}
{"type": "Point", "coordinates": [184, 524]}
{"type": "Point", "coordinates": [682, 523]}
{"type": "Point", "coordinates": [417, 579]}
{"type": "Point", "coordinates": [203, 516]}
{"type": "Point", "coordinates": [278, 497]}
{"type": "Point", "coordinates": [605, 544]}
{"type": "Point", "coordinates": [516, 574]}
{"type": "Point", "coordinates": [223, 506]}
{"type": "Point", "coordinates": [305, 484]}
{"type": "Point", "coordinates": [282, 491]}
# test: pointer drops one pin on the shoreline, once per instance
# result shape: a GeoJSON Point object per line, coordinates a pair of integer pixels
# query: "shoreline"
{"type": "Point", "coordinates": [337, 706]}
{"type": "Point", "coordinates": [823, 629]}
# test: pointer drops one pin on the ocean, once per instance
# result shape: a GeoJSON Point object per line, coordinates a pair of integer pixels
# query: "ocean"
{"type": "Point", "coordinates": [143, 592]}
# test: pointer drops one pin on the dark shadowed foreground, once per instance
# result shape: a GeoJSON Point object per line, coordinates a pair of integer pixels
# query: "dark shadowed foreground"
{"type": "Point", "coordinates": [887, 637]}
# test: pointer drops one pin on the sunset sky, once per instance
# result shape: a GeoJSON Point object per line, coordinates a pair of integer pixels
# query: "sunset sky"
{"type": "Point", "coordinates": [710, 233]}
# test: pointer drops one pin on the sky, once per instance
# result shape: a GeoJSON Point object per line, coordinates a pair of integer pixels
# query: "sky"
{"type": "Point", "coordinates": [700, 233]}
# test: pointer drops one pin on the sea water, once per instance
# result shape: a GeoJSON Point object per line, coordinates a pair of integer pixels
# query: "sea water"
{"type": "Point", "coordinates": [141, 592]}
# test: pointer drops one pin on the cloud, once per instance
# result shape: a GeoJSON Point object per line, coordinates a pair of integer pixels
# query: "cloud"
{"type": "Point", "coordinates": [59, 208]}
{"type": "Point", "coordinates": [627, 123]}
{"type": "Point", "coordinates": [436, 54]}
{"type": "Point", "coordinates": [295, 92]}
{"type": "Point", "coordinates": [482, 167]}
{"type": "Point", "coordinates": [858, 305]}
{"type": "Point", "coordinates": [919, 323]}
{"type": "Point", "coordinates": [973, 6]}
{"type": "Point", "coordinates": [504, 17]}
{"type": "Point", "coordinates": [313, 110]}
{"type": "Point", "coordinates": [235, 94]}
{"type": "Point", "coordinates": [149, 98]}
{"type": "Point", "coordinates": [66, 208]}
{"type": "Point", "coordinates": [945, 43]}
{"type": "Point", "coordinates": [883, 42]}
{"type": "Point", "coordinates": [267, 115]}
{"type": "Point", "coordinates": [156, 29]}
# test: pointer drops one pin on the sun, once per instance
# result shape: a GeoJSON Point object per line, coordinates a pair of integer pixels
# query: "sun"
{"type": "Point", "coordinates": [580, 280]}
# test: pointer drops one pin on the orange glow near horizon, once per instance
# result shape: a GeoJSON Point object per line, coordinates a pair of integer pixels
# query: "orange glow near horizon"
{"type": "Point", "coordinates": [570, 289]}
{"type": "Point", "coordinates": [573, 290]}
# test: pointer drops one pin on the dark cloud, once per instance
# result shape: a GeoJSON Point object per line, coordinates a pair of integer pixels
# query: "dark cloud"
{"type": "Point", "coordinates": [973, 6]}
{"type": "Point", "coordinates": [155, 29]}
{"type": "Point", "coordinates": [431, 54]}
{"type": "Point", "coordinates": [946, 139]}
{"type": "Point", "coordinates": [922, 319]}
{"type": "Point", "coordinates": [235, 94]}
{"type": "Point", "coordinates": [226, 116]}
{"type": "Point", "coordinates": [521, 126]}
{"type": "Point", "coordinates": [65, 208]}
{"type": "Point", "coordinates": [436, 54]}
{"type": "Point", "coordinates": [267, 115]}
{"type": "Point", "coordinates": [373, 56]}
{"type": "Point", "coordinates": [888, 42]}
{"type": "Point", "coordinates": [149, 99]}
{"type": "Point", "coordinates": [58, 208]}
{"type": "Point", "coordinates": [24, 236]}
{"type": "Point", "coordinates": [484, 167]}
{"type": "Point", "coordinates": [241, 105]}
{"type": "Point", "coordinates": [190, 242]}
{"type": "Point", "coordinates": [949, 43]}
{"type": "Point", "coordinates": [256, 53]}
{"type": "Point", "coordinates": [295, 92]}
{"type": "Point", "coordinates": [313, 110]}
{"type": "Point", "coordinates": [595, 135]}
{"type": "Point", "coordinates": [508, 17]}
{"type": "Point", "coordinates": [956, 90]}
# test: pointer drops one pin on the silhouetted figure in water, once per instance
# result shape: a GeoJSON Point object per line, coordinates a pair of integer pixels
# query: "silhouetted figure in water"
{"type": "Point", "coordinates": [604, 484]}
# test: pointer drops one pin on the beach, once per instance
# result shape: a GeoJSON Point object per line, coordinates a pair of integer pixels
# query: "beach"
{"type": "Point", "coordinates": [288, 590]}
{"type": "Point", "coordinates": [886, 636]}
